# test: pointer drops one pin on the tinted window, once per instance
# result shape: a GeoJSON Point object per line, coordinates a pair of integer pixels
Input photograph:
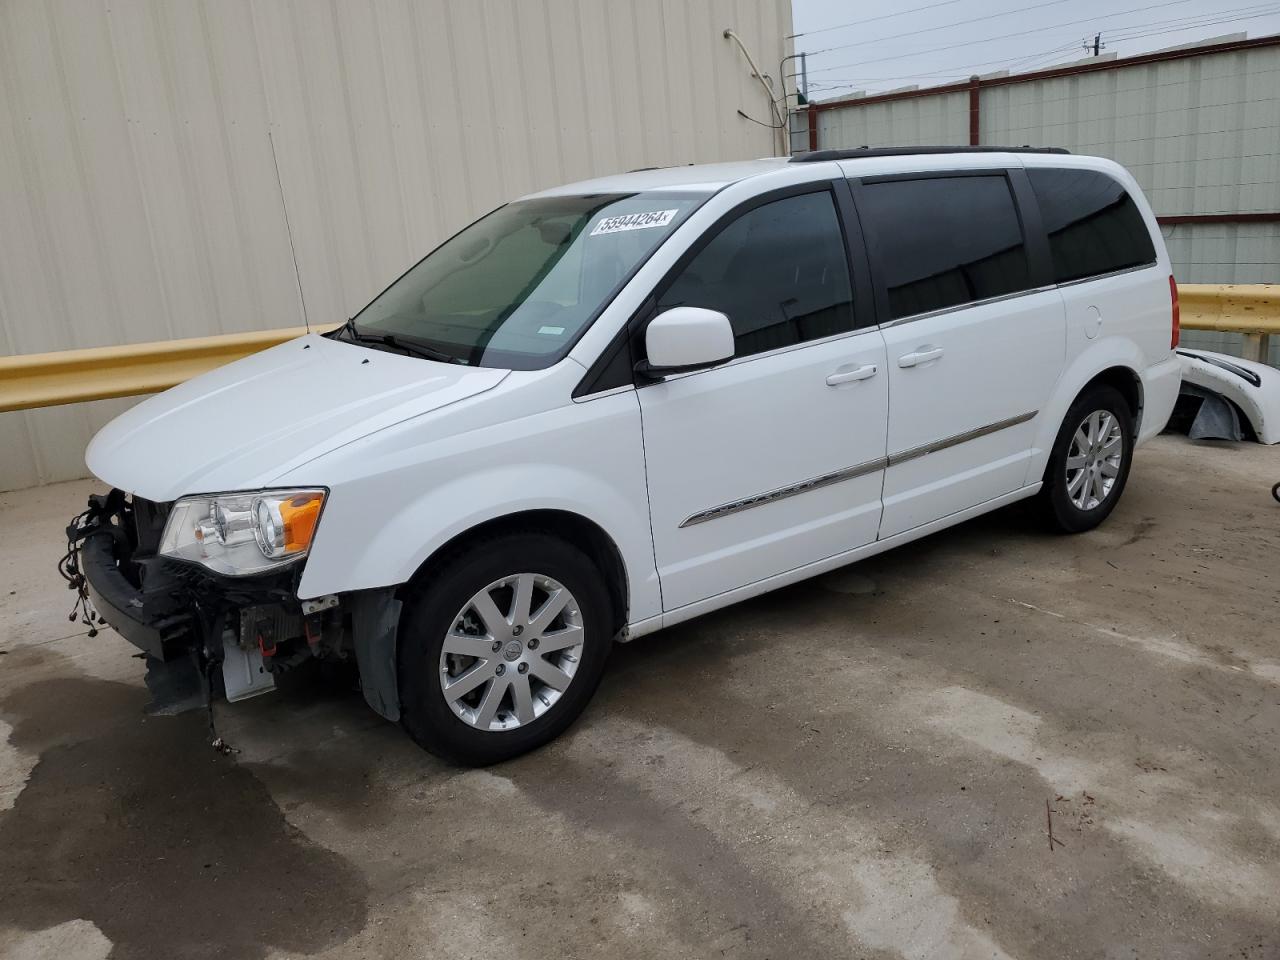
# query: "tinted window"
{"type": "Point", "coordinates": [945, 241]}
{"type": "Point", "coordinates": [779, 272]}
{"type": "Point", "coordinates": [1094, 226]}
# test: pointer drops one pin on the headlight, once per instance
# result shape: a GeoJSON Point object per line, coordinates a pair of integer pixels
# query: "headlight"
{"type": "Point", "coordinates": [237, 534]}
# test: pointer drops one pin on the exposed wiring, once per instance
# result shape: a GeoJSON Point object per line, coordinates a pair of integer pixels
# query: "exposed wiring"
{"type": "Point", "coordinates": [729, 34]}
{"type": "Point", "coordinates": [771, 126]}
{"type": "Point", "coordinates": [782, 78]}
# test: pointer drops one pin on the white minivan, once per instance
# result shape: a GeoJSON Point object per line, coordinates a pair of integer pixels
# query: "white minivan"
{"type": "Point", "coordinates": [611, 406]}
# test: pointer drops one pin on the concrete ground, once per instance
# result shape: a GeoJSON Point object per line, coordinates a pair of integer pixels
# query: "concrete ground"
{"type": "Point", "coordinates": [864, 765]}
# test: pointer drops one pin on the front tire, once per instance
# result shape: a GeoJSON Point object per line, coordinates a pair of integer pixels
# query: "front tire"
{"type": "Point", "coordinates": [1090, 462]}
{"type": "Point", "coordinates": [501, 646]}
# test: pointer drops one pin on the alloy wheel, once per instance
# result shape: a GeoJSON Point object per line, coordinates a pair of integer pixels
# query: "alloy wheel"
{"type": "Point", "coordinates": [1094, 459]}
{"type": "Point", "coordinates": [511, 652]}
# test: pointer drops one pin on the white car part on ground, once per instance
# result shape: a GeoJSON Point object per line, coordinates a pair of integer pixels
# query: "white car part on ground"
{"type": "Point", "coordinates": [1253, 388]}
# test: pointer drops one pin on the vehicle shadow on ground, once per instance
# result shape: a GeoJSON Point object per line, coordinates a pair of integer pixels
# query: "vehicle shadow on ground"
{"type": "Point", "coordinates": [169, 848]}
{"type": "Point", "coordinates": [987, 535]}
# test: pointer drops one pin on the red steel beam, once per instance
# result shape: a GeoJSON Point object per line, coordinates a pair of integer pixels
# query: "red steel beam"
{"type": "Point", "coordinates": [1231, 46]}
{"type": "Point", "coordinates": [1220, 218]}
{"type": "Point", "coordinates": [975, 105]}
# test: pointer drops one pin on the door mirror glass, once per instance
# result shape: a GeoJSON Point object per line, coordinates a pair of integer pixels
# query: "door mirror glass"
{"type": "Point", "coordinates": [687, 338]}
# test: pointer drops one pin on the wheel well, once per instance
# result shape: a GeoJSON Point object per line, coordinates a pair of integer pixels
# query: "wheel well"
{"type": "Point", "coordinates": [572, 528]}
{"type": "Point", "coordinates": [1130, 386]}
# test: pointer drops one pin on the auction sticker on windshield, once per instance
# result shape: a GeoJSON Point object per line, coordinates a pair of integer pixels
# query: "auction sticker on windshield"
{"type": "Point", "coordinates": [634, 221]}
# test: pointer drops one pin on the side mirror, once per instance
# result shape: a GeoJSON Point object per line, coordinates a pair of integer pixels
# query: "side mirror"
{"type": "Point", "coordinates": [686, 338]}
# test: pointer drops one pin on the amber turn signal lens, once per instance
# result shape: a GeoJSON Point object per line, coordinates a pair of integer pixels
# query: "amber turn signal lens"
{"type": "Point", "coordinates": [299, 515]}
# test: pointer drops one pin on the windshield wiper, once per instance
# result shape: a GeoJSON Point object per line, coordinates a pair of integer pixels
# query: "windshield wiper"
{"type": "Point", "coordinates": [421, 350]}
{"type": "Point", "coordinates": [411, 347]}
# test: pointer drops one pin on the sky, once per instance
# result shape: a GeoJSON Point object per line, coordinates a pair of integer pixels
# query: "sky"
{"type": "Point", "coordinates": [861, 45]}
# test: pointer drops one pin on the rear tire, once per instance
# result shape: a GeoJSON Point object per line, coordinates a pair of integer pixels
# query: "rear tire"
{"type": "Point", "coordinates": [1089, 465]}
{"type": "Point", "coordinates": [485, 602]}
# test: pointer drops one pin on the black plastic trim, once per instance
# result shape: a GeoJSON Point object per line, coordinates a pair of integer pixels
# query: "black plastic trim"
{"type": "Point", "coordinates": [1248, 376]}
{"type": "Point", "coordinates": [1034, 235]}
{"type": "Point", "coordinates": [647, 371]}
{"type": "Point", "coordinates": [859, 153]}
{"type": "Point", "coordinates": [609, 371]}
{"type": "Point", "coordinates": [946, 174]}
{"type": "Point", "coordinates": [375, 618]}
{"type": "Point", "coordinates": [865, 312]}
{"type": "Point", "coordinates": [162, 632]}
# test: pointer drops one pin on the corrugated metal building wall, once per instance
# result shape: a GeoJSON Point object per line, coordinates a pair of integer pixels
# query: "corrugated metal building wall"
{"type": "Point", "coordinates": [138, 195]}
{"type": "Point", "coordinates": [1199, 129]}
{"type": "Point", "coordinates": [912, 122]}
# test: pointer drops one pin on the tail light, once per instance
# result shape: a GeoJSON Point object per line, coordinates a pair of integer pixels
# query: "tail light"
{"type": "Point", "coordinates": [1176, 334]}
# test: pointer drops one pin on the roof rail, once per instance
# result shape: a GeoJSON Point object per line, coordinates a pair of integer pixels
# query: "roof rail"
{"type": "Point", "coordinates": [857, 153]}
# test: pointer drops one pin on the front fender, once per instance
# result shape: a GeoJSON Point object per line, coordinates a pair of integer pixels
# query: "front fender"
{"type": "Point", "coordinates": [400, 501]}
{"type": "Point", "coordinates": [393, 549]}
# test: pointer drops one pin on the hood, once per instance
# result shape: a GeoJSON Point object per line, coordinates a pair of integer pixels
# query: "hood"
{"type": "Point", "coordinates": [242, 425]}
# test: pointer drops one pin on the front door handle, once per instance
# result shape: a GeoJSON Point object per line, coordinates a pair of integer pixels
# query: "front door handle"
{"type": "Point", "coordinates": [865, 372]}
{"type": "Point", "coordinates": [920, 356]}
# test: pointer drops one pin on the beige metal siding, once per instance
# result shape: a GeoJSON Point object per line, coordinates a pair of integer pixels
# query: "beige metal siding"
{"type": "Point", "coordinates": [1201, 135]}
{"type": "Point", "coordinates": [1225, 253]}
{"type": "Point", "coordinates": [139, 199]}
{"type": "Point", "coordinates": [922, 121]}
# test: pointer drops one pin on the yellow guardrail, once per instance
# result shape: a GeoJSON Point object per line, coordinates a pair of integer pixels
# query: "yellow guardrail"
{"type": "Point", "coordinates": [71, 376]}
{"type": "Point", "coordinates": [101, 373]}
{"type": "Point", "coordinates": [1249, 308]}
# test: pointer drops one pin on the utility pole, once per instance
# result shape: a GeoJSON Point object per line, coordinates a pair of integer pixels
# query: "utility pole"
{"type": "Point", "coordinates": [1097, 46]}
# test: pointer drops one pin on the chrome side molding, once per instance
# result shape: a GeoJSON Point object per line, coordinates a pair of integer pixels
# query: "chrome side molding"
{"type": "Point", "coordinates": [772, 496]}
{"type": "Point", "coordinates": [936, 445]}
{"type": "Point", "coordinates": [849, 473]}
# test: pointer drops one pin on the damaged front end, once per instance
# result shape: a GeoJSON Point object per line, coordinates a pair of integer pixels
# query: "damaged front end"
{"type": "Point", "coordinates": [206, 634]}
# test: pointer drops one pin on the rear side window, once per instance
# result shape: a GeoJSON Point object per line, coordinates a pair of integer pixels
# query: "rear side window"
{"type": "Point", "coordinates": [1093, 224]}
{"type": "Point", "coordinates": [779, 272]}
{"type": "Point", "coordinates": [945, 241]}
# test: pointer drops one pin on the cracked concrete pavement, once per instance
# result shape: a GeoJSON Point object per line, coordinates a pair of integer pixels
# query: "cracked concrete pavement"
{"type": "Point", "coordinates": [856, 766]}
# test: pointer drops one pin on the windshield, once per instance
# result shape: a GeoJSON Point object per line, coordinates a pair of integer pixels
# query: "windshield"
{"type": "Point", "coordinates": [515, 289]}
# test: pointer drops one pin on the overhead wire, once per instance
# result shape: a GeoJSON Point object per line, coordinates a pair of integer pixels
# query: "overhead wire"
{"type": "Point", "coordinates": [883, 16]}
{"type": "Point", "coordinates": [1007, 36]}
{"type": "Point", "coordinates": [954, 71]}
{"type": "Point", "coordinates": [1195, 22]}
{"type": "Point", "coordinates": [1122, 33]}
{"type": "Point", "coordinates": [946, 26]}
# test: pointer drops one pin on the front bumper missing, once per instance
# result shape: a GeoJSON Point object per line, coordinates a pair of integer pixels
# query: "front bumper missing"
{"type": "Point", "coordinates": [159, 625]}
{"type": "Point", "coordinates": [245, 630]}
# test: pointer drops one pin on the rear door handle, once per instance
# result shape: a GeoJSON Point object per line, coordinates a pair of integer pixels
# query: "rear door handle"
{"type": "Point", "coordinates": [920, 356]}
{"type": "Point", "coordinates": [865, 372]}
